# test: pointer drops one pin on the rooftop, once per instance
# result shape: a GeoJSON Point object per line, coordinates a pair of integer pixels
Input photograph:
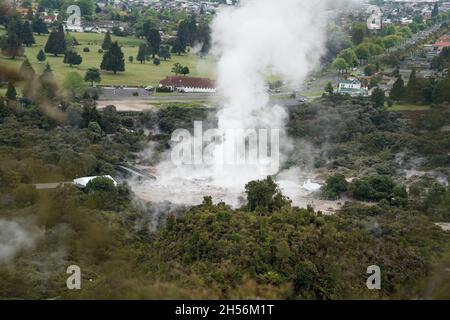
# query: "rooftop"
{"type": "Point", "coordinates": [188, 82]}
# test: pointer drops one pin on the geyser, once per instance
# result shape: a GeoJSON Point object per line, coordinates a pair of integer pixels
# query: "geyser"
{"type": "Point", "coordinates": [255, 40]}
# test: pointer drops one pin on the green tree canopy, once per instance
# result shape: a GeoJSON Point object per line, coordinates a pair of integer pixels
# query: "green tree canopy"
{"type": "Point", "coordinates": [39, 26]}
{"type": "Point", "coordinates": [27, 34]}
{"type": "Point", "coordinates": [349, 56]}
{"type": "Point", "coordinates": [71, 57]}
{"type": "Point", "coordinates": [74, 84]}
{"type": "Point", "coordinates": [154, 39]}
{"type": "Point", "coordinates": [41, 56]}
{"type": "Point", "coordinates": [92, 75]}
{"type": "Point", "coordinates": [107, 41]}
{"type": "Point", "coordinates": [378, 97]}
{"type": "Point", "coordinates": [264, 195]}
{"type": "Point", "coordinates": [113, 59]}
{"type": "Point", "coordinates": [142, 53]}
{"type": "Point", "coordinates": [11, 92]}
{"type": "Point", "coordinates": [56, 42]}
{"type": "Point", "coordinates": [398, 90]}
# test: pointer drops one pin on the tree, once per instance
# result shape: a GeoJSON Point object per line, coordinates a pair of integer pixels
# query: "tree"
{"type": "Point", "coordinates": [204, 37]}
{"type": "Point", "coordinates": [378, 97]}
{"type": "Point", "coordinates": [101, 190]}
{"type": "Point", "coordinates": [39, 26]}
{"type": "Point", "coordinates": [264, 195]}
{"type": "Point", "coordinates": [179, 46]}
{"type": "Point", "coordinates": [26, 69]}
{"type": "Point", "coordinates": [391, 41]}
{"type": "Point", "coordinates": [362, 52]}
{"type": "Point", "coordinates": [142, 53]}
{"type": "Point", "coordinates": [406, 32]}
{"type": "Point", "coordinates": [375, 49]}
{"type": "Point", "coordinates": [413, 89]}
{"type": "Point", "coordinates": [107, 41]}
{"type": "Point", "coordinates": [56, 43]}
{"type": "Point", "coordinates": [71, 58]}
{"type": "Point", "coordinates": [113, 59]}
{"type": "Point", "coordinates": [92, 75]}
{"type": "Point", "coordinates": [349, 56]}
{"type": "Point", "coordinates": [388, 30]}
{"type": "Point", "coordinates": [443, 60]}
{"type": "Point", "coordinates": [74, 84]}
{"type": "Point", "coordinates": [441, 92]}
{"type": "Point", "coordinates": [11, 92]}
{"type": "Point", "coordinates": [182, 39]}
{"type": "Point", "coordinates": [27, 34]}
{"type": "Point", "coordinates": [47, 82]}
{"type": "Point", "coordinates": [398, 90]}
{"type": "Point", "coordinates": [370, 70]}
{"type": "Point", "coordinates": [335, 185]}
{"type": "Point", "coordinates": [435, 11]}
{"type": "Point", "coordinates": [358, 32]}
{"type": "Point", "coordinates": [12, 45]}
{"type": "Point", "coordinates": [185, 71]}
{"type": "Point", "coordinates": [87, 7]}
{"type": "Point", "coordinates": [154, 39]}
{"type": "Point", "coordinates": [41, 56]}
{"type": "Point", "coordinates": [71, 41]}
{"type": "Point", "coordinates": [177, 68]}
{"type": "Point", "coordinates": [340, 65]}
{"type": "Point", "coordinates": [27, 72]}
{"type": "Point", "coordinates": [110, 119]}
{"type": "Point", "coordinates": [329, 88]}
{"type": "Point", "coordinates": [164, 52]}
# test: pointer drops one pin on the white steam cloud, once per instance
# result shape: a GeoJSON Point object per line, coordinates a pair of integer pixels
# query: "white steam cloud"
{"type": "Point", "coordinates": [15, 237]}
{"type": "Point", "coordinates": [253, 41]}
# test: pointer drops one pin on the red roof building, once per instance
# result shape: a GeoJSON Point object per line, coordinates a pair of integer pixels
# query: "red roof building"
{"type": "Point", "coordinates": [439, 46]}
{"type": "Point", "coordinates": [442, 44]}
{"type": "Point", "coordinates": [189, 84]}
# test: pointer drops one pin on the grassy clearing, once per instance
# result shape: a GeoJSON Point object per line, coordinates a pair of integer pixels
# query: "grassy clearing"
{"type": "Point", "coordinates": [409, 107]}
{"type": "Point", "coordinates": [135, 74]}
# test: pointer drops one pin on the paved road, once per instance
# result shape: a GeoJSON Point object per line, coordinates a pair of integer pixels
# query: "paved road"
{"type": "Point", "coordinates": [157, 98]}
{"type": "Point", "coordinates": [149, 103]}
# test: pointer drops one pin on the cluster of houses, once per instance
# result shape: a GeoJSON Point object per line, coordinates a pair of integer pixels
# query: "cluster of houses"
{"type": "Point", "coordinates": [421, 63]}
{"type": "Point", "coordinates": [404, 11]}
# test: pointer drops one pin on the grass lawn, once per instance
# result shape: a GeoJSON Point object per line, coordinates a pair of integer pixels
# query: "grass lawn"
{"type": "Point", "coordinates": [135, 74]}
{"type": "Point", "coordinates": [408, 107]}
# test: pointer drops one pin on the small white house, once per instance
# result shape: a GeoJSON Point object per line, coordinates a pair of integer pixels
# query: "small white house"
{"type": "Point", "coordinates": [82, 182]}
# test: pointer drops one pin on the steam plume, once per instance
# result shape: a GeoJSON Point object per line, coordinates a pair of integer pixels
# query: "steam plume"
{"type": "Point", "coordinates": [256, 40]}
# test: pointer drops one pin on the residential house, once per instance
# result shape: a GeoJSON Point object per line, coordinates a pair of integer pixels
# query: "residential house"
{"type": "Point", "coordinates": [352, 87]}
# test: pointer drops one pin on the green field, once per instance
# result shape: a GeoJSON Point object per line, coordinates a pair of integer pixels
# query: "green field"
{"type": "Point", "coordinates": [135, 74]}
